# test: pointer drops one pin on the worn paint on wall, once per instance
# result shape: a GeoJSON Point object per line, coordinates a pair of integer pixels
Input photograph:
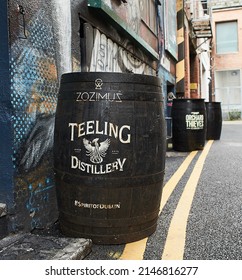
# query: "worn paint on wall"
{"type": "Point", "coordinates": [140, 16]}
{"type": "Point", "coordinates": [61, 13]}
{"type": "Point", "coordinates": [130, 13]}
{"type": "Point", "coordinates": [34, 88]}
{"type": "Point", "coordinates": [6, 168]}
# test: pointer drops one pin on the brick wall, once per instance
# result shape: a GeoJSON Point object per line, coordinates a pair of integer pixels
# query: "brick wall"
{"type": "Point", "coordinates": [231, 60]}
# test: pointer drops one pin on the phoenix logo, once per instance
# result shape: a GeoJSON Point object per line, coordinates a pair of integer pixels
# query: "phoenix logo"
{"type": "Point", "coordinates": [96, 151]}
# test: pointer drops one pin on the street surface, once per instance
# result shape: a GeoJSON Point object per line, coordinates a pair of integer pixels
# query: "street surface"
{"type": "Point", "coordinates": [200, 213]}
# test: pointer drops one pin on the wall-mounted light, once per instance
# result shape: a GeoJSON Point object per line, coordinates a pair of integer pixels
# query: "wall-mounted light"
{"type": "Point", "coordinates": [201, 50]}
{"type": "Point", "coordinates": [234, 73]}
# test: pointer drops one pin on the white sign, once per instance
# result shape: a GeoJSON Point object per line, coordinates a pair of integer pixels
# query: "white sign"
{"type": "Point", "coordinates": [194, 121]}
{"type": "Point", "coordinates": [96, 149]}
{"type": "Point", "coordinates": [94, 127]}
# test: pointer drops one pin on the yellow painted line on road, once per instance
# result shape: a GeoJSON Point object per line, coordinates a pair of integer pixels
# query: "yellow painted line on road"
{"type": "Point", "coordinates": [171, 184]}
{"type": "Point", "coordinates": [135, 250]}
{"type": "Point", "coordinates": [176, 237]}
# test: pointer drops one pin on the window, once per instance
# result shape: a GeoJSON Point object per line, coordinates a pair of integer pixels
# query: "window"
{"type": "Point", "coordinates": [226, 37]}
{"type": "Point", "coordinates": [148, 13]}
{"type": "Point", "coordinates": [230, 78]}
{"type": "Point", "coordinates": [228, 89]}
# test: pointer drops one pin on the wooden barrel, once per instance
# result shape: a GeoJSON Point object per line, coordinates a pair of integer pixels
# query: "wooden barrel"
{"type": "Point", "coordinates": [109, 155]}
{"type": "Point", "coordinates": [188, 124]}
{"type": "Point", "coordinates": [214, 120]}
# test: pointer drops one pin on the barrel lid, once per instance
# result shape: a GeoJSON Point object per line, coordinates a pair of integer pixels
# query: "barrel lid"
{"type": "Point", "coordinates": [212, 102]}
{"type": "Point", "coordinates": [110, 77]}
{"type": "Point", "coordinates": [188, 100]}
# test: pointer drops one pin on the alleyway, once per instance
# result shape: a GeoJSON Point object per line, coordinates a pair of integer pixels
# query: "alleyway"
{"type": "Point", "coordinates": [200, 219]}
{"type": "Point", "coordinates": [200, 216]}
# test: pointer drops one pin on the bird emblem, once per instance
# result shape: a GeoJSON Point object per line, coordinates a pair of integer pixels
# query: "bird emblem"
{"type": "Point", "coordinates": [96, 151]}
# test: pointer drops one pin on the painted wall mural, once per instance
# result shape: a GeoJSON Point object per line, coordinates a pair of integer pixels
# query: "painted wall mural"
{"type": "Point", "coordinates": [34, 88]}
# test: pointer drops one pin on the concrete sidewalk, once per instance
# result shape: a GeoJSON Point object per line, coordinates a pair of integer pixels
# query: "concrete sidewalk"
{"type": "Point", "coordinates": [233, 122]}
{"type": "Point", "coordinates": [27, 246]}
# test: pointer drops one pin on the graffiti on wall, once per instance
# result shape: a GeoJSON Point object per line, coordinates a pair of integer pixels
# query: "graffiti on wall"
{"type": "Point", "coordinates": [34, 88]}
{"type": "Point", "coordinates": [117, 52]}
{"type": "Point", "coordinates": [108, 56]}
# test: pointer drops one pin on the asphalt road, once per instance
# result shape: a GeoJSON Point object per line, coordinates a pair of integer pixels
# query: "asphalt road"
{"type": "Point", "coordinates": [200, 217]}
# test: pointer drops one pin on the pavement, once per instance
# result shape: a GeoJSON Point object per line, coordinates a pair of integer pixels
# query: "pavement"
{"type": "Point", "coordinates": [28, 246]}
{"type": "Point", "coordinates": [43, 244]}
{"type": "Point", "coordinates": [233, 122]}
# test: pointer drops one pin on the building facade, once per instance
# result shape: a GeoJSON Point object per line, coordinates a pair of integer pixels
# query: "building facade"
{"type": "Point", "coordinates": [194, 49]}
{"type": "Point", "coordinates": [227, 53]}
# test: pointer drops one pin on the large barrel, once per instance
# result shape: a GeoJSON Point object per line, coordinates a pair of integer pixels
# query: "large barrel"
{"type": "Point", "coordinates": [188, 124]}
{"type": "Point", "coordinates": [109, 155]}
{"type": "Point", "coordinates": [214, 120]}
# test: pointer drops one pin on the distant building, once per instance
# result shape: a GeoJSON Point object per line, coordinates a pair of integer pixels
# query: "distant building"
{"type": "Point", "coordinates": [194, 38]}
{"type": "Point", "coordinates": [227, 53]}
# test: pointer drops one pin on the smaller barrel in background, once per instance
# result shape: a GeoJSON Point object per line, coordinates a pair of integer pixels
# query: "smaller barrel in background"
{"type": "Point", "coordinates": [188, 124]}
{"type": "Point", "coordinates": [214, 120]}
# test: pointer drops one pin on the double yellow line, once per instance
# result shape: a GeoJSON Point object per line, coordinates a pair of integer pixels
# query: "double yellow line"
{"type": "Point", "coordinates": [175, 241]}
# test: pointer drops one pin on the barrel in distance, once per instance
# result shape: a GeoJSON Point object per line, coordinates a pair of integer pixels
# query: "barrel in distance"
{"type": "Point", "coordinates": [188, 124]}
{"type": "Point", "coordinates": [214, 120]}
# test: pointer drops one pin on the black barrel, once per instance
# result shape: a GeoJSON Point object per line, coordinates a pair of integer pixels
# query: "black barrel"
{"type": "Point", "coordinates": [109, 155]}
{"type": "Point", "coordinates": [188, 124]}
{"type": "Point", "coordinates": [214, 120]}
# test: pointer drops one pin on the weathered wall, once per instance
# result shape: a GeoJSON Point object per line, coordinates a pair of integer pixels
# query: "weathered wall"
{"type": "Point", "coordinates": [6, 168]}
{"type": "Point", "coordinates": [168, 53]}
{"type": "Point", "coordinates": [228, 61]}
{"type": "Point", "coordinates": [113, 50]}
{"type": "Point", "coordinates": [34, 88]}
